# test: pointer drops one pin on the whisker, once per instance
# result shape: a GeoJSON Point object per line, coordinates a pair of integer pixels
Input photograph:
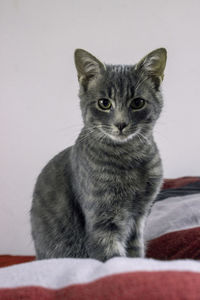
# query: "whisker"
{"type": "Point", "coordinates": [143, 139]}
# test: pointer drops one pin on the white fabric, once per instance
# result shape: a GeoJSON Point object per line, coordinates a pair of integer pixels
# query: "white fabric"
{"type": "Point", "coordinates": [58, 273]}
{"type": "Point", "coordinates": [172, 214]}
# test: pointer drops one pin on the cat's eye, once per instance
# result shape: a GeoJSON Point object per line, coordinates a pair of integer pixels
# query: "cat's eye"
{"type": "Point", "coordinates": [104, 104]}
{"type": "Point", "coordinates": [137, 103]}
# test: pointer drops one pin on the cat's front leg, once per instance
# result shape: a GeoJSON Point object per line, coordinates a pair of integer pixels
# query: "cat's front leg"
{"type": "Point", "coordinates": [136, 245]}
{"type": "Point", "coordinates": [103, 245]}
{"type": "Point", "coordinates": [106, 236]}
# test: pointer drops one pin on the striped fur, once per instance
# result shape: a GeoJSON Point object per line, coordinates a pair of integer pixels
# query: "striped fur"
{"type": "Point", "coordinates": [92, 199]}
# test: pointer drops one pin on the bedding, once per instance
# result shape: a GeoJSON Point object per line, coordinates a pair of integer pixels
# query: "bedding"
{"type": "Point", "coordinates": [88, 279]}
{"type": "Point", "coordinates": [171, 269]}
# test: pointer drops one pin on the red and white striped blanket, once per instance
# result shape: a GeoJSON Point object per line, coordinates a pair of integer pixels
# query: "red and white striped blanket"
{"type": "Point", "coordinates": [87, 279]}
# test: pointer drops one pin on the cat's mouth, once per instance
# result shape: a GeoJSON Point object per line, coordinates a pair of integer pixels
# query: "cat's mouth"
{"type": "Point", "coordinates": [121, 136]}
{"type": "Point", "coordinates": [124, 137]}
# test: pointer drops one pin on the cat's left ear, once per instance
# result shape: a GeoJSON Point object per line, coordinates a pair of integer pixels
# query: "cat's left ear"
{"type": "Point", "coordinates": [88, 66]}
{"type": "Point", "coordinates": [154, 63]}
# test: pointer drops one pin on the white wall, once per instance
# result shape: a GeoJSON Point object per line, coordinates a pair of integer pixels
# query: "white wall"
{"type": "Point", "coordinates": [39, 111]}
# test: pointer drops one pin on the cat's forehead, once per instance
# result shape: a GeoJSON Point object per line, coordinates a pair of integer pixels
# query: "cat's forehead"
{"type": "Point", "coordinates": [120, 70]}
{"type": "Point", "coordinates": [120, 81]}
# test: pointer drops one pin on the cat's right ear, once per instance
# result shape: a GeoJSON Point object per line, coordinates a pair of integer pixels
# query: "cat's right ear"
{"type": "Point", "coordinates": [88, 66]}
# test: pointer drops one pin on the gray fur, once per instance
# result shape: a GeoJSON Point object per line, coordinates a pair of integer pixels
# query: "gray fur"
{"type": "Point", "coordinates": [92, 199]}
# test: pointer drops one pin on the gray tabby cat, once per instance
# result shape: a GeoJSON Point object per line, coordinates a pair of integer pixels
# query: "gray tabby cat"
{"type": "Point", "coordinates": [92, 199]}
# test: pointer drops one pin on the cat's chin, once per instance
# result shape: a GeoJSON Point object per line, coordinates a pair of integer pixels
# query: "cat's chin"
{"type": "Point", "coordinates": [122, 138]}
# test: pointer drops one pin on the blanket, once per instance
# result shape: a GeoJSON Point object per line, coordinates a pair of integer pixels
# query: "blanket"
{"type": "Point", "coordinates": [118, 278]}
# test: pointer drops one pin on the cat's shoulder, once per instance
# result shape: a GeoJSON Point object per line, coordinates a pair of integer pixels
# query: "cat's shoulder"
{"type": "Point", "coordinates": [57, 164]}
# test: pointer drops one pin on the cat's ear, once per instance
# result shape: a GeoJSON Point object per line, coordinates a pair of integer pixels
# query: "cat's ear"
{"type": "Point", "coordinates": [154, 63]}
{"type": "Point", "coordinates": [88, 66]}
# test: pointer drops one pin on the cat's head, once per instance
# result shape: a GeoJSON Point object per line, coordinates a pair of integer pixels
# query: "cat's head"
{"type": "Point", "coordinates": [120, 101]}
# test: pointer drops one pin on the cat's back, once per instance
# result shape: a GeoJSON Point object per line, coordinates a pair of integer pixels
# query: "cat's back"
{"type": "Point", "coordinates": [55, 212]}
{"type": "Point", "coordinates": [55, 178]}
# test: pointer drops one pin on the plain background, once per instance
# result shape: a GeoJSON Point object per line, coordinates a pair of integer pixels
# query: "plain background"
{"type": "Point", "coordinates": [39, 111]}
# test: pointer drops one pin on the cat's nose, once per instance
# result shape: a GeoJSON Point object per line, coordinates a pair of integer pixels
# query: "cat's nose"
{"type": "Point", "coordinates": [121, 125]}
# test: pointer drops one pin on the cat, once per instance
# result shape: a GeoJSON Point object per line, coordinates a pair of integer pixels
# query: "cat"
{"type": "Point", "coordinates": [92, 199]}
